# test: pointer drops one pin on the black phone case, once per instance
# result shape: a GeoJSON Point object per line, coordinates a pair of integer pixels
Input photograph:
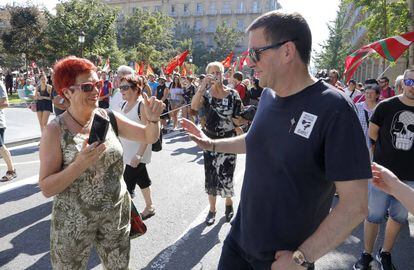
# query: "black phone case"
{"type": "Point", "coordinates": [98, 130]}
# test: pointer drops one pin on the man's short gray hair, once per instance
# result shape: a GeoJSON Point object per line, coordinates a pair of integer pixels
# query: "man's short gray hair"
{"type": "Point", "coordinates": [124, 71]}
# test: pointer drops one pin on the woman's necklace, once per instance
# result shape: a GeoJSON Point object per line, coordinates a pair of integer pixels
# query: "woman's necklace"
{"type": "Point", "coordinates": [82, 126]}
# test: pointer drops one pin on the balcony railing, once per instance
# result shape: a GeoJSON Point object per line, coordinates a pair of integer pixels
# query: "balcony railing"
{"type": "Point", "coordinates": [225, 12]}
{"type": "Point", "coordinates": [199, 13]}
{"type": "Point", "coordinates": [173, 14]}
{"type": "Point", "coordinates": [212, 12]}
{"type": "Point", "coordinates": [186, 14]}
{"type": "Point", "coordinates": [240, 11]}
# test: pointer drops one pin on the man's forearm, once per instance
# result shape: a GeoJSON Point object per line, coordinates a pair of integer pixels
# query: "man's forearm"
{"type": "Point", "coordinates": [234, 145]}
{"type": "Point", "coordinates": [336, 227]}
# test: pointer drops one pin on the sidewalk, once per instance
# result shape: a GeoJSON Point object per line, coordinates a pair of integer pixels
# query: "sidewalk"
{"type": "Point", "coordinates": [22, 126]}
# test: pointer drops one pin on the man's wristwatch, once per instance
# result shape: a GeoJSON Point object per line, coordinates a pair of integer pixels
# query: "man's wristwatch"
{"type": "Point", "coordinates": [139, 157]}
{"type": "Point", "coordinates": [299, 258]}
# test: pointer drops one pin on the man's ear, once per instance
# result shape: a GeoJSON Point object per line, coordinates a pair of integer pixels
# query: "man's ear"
{"type": "Point", "coordinates": [289, 52]}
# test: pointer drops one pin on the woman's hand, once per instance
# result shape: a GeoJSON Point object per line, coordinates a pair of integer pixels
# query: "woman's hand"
{"type": "Point", "coordinates": [383, 178]}
{"type": "Point", "coordinates": [197, 135]}
{"type": "Point", "coordinates": [153, 108]}
{"type": "Point", "coordinates": [89, 154]}
{"type": "Point", "coordinates": [134, 162]}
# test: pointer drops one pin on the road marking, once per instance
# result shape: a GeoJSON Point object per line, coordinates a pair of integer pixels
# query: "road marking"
{"type": "Point", "coordinates": [23, 146]}
{"type": "Point", "coordinates": [14, 185]}
{"type": "Point", "coordinates": [165, 256]}
{"type": "Point", "coordinates": [21, 163]}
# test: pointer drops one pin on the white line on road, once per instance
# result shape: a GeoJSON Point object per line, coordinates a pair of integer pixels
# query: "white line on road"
{"type": "Point", "coordinates": [165, 256]}
{"type": "Point", "coordinates": [27, 181]}
{"type": "Point", "coordinates": [21, 163]}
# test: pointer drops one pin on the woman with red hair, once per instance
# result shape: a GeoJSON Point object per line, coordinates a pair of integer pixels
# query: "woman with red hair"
{"type": "Point", "coordinates": [91, 204]}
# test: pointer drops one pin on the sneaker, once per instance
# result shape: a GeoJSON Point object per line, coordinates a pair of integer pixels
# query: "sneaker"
{"type": "Point", "coordinates": [211, 218]}
{"type": "Point", "coordinates": [384, 258]}
{"type": "Point", "coordinates": [364, 262]}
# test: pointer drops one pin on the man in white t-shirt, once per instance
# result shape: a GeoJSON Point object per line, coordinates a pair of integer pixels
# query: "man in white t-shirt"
{"type": "Point", "coordinates": [4, 152]}
{"type": "Point", "coordinates": [351, 90]}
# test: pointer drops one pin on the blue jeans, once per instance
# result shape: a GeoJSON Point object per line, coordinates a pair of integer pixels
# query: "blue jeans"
{"type": "Point", "coordinates": [233, 257]}
{"type": "Point", "coordinates": [380, 202]}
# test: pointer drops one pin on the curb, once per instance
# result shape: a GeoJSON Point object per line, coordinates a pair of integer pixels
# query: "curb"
{"type": "Point", "coordinates": [22, 142]}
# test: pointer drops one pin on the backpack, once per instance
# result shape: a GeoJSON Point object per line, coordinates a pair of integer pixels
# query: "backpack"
{"type": "Point", "coordinates": [157, 146]}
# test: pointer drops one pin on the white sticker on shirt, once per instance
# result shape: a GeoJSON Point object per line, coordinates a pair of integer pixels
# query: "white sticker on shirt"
{"type": "Point", "coordinates": [305, 124]}
{"type": "Point", "coordinates": [225, 102]}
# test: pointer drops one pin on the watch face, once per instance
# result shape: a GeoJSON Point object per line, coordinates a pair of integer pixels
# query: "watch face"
{"type": "Point", "coordinates": [298, 257]}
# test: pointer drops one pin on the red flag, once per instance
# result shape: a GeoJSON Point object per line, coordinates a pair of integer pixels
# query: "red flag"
{"type": "Point", "coordinates": [226, 62]}
{"type": "Point", "coordinates": [136, 67]}
{"type": "Point", "coordinates": [183, 70]}
{"type": "Point", "coordinates": [149, 70]}
{"type": "Point", "coordinates": [139, 68]}
{"type": "Point", "coordinates": [242, 61]}
{"type": "Point", "coordinates": [175, 62]}
{"type": "Point", "coordinates": [389, 48]}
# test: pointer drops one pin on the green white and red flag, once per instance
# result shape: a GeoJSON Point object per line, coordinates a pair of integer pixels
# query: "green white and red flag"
{"type": "Point", "coordinates": [389, 48]}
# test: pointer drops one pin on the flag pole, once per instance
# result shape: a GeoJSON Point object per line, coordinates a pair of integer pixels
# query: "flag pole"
{"type": "Point", "coordinates": [382, 73]}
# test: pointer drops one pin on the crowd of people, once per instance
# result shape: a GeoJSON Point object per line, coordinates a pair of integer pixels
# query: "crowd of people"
{"type": "Point", "coordinates": [310, 138]}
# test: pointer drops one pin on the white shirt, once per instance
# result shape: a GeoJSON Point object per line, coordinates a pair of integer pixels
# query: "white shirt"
{"type": "Point", "coordinates": [116, 101]}
{"type": "Point", "coordinates": [354, 94]}
{"type": "Point", "coordinates": [131, 147]}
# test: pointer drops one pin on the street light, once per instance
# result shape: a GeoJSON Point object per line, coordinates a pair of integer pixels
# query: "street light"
{"type": "Point", "coordinates": [81, 40]}
{"type": "Point", "coordinates": [190, 59]}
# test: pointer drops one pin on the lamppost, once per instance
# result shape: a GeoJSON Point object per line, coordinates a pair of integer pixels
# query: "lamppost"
{"type": "Point", "coordinates": [81, 40]}
{"type": "Point", "coordinates": [190, 59]}
{"type": "Point", "coordinates": [25, 62]}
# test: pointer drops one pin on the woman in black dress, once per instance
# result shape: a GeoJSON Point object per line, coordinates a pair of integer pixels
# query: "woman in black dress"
{"type": "Point", "coordinates": [43, 97]}
{"type": "Point", "coordinates": [222, 105]}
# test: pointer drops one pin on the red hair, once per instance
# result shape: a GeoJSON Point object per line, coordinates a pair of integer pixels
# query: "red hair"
{"type": "Point", "coordinates": [67, 69]}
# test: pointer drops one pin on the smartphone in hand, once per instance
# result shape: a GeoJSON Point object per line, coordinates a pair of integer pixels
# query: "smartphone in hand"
{"type": "Point", "coordinates": [98, 130]}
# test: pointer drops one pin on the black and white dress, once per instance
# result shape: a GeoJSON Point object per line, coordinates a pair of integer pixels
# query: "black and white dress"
{"type": "Point", "coordinates": [219, 167]}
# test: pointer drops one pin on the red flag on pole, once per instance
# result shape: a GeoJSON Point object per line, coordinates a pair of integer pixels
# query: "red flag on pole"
{"type": "Point", "coordinates": [227, 62]}
{"type": "Point", "coordinates": [139, 68]}
{"type": "Point", "coordinates": [175, 62]}
{"type": "Point", "coordinates": [389, 48]}
{"type": "Point", "coordinates": [149, 70]}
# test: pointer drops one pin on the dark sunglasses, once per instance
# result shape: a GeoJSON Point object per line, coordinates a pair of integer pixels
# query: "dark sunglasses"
{"type": "Point", "coordinates": [89, 86]}
{"type": "Point", "coordinates": [124, 87]}
{"type": "Point", "coordinates": [254, 53]}
{"type": "Point", "coordinates": [409, 82]}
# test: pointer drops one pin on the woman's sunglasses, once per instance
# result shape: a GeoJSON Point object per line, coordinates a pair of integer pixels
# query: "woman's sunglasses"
{"type": "Point", "coordinates": [254, 53]}
{"type": "Point", "coordinates": [409, 82]}
{"type": "Point", "coordinates": [89, 86]}
{"type": "Point", "coordinates": [124, 87]}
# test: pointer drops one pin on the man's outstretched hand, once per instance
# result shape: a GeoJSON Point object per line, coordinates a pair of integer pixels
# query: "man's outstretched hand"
{"type": "Point", "coordinates": [197, 135]}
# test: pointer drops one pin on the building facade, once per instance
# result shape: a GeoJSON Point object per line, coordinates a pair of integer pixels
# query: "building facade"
{"type": "Point", "coordinates": [203, 15]}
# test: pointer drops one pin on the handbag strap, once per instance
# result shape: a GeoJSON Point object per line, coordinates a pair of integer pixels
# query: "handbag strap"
{"type": "Point", "coordinates": [366, 117]}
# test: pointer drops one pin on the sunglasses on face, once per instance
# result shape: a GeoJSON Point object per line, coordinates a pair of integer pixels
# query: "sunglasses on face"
{"type": "Point", "coordinates": [254, 53]}
{"type": "Point", "coordinates": [124, 87]}
{"type": "Point", "coordinates": [89, 86]}
{"type": "Point", "coordinates": [409, 82]}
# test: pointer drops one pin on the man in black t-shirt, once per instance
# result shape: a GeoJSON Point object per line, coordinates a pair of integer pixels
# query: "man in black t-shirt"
{"type": "Point", "coordinates": [296, 157]}
{"type": "Point", "coordinates": [391, 129]}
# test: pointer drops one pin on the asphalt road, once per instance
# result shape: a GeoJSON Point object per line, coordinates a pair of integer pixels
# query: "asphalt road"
{"type": "Point", "coordinates": [176, 237]}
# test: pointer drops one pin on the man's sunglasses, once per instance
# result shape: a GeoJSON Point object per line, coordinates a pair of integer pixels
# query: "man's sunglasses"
{"type": "Point", "coordinates": [124, 87]}
{"type": "Point", "coordinates": [409, 82]}
{"type": "Point", "coordinates": [254, 53]}
{"type": "Point", "coordinates": [89, 86]}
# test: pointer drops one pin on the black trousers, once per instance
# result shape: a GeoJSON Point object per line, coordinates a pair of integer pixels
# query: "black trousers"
{"type": "Point", "coordinates": [136, 176]}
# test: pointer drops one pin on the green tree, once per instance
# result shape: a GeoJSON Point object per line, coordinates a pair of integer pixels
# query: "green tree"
{"type": "Point", "coordinates": [335, 48]}
{"type": "Point", "coordinates": [95, 19]}
{"type": "Point", "coordinates": [25, 34]}
{"type": "Point", "coordinates": [147, 37]}
{"type": "Point", "coordinates": [225, 38]}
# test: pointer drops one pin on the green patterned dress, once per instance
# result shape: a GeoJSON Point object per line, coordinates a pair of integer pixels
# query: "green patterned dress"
{"type": "Point", "coordinates": [93, 210]}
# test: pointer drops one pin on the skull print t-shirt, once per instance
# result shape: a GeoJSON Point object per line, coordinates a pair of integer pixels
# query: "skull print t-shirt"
{"type": "Point", "coordinates": [394, 148]}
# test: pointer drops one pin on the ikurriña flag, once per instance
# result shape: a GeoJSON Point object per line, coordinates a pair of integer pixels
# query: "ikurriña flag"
{"type": "Point", "coordinates": [389, 48]}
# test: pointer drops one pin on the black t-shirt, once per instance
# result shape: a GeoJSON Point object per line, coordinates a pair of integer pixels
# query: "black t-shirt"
{"type": "Point", "coordinates": [296, 148]}
{"type": "Point", "coordinates": [394, 148]}
{"type": "Point", "coordinates": [160, 91]}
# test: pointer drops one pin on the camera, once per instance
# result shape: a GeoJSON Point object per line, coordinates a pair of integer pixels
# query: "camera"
{"type": "Point", "coordinates": [248, 112]}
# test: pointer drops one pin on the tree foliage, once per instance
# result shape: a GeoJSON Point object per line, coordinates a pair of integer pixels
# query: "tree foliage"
{"type": "Point", "coordinates": [335, 48]}
{"type": "Point", "coordinates": [94, 18]}
{"type": "Point", "coordinates": [26, 32]}
{"type": "Point", "coordinates": [225, 38]}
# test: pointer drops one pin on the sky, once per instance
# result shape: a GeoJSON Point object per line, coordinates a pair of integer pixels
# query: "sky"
{"type": "Point", "coordinates": [316, 12]}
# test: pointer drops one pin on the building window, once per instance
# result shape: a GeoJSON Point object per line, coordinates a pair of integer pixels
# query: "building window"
{"type": "Point", "coordinates": [211, 26]}
{"type": "Point", "coordinates": [199, 8]}
{"type": "Point", "coordinates": [240, 25]}
{"type": "Point", "coordinates": [241, 6]}
{"type": "Point", "coordinates": [186, 6]}
{"type": "Point", "coordinates": [157, 8]}
{"type": "Point", "coordinates": [226, 7]}
{"type": "Point", "coordinates": [255, 6]}
{"type": "Point", "coordinates": [198, 25]}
